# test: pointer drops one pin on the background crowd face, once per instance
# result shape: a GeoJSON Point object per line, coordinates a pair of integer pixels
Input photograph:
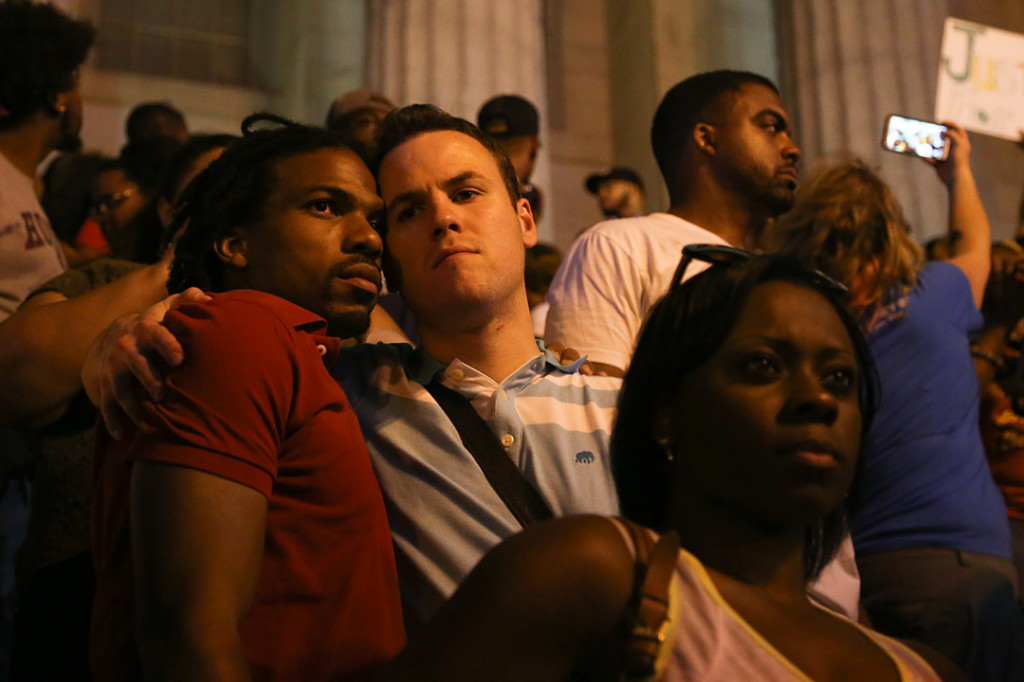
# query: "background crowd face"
{"type": "Point", "coordinates": [316, 243]}
{"type": "Point", "coordinates": [364, 128]}
{"type": "Point", "coordinates": [613, 195]}
{"type": "Point", "coordinates": [755, 156]}
{"type": "Point", "coordinates": [769, 427]}
{"type": "Point", "coordinates": [454, 234]}
{"type": "Point", "coordinates": [117, 200]}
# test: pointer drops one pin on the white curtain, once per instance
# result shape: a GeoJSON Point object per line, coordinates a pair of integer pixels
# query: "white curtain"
{"type": "Point", "coordinates": [846, 65]}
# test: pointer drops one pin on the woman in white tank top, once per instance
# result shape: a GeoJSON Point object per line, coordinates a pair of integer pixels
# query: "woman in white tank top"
{"type": "Point", "coordinates": [739, 428]}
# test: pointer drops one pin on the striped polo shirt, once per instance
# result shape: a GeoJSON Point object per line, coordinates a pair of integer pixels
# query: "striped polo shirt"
{"type": "Point", "coordinates": [554, 423]}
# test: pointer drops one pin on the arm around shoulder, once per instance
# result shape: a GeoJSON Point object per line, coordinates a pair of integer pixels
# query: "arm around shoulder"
{"type": "Point", "coordinates": [118, 364]}
{"type": "Point", "coordinates": [43, 346]}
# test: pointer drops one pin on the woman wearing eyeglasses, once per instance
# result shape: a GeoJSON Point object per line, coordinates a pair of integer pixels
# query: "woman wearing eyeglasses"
{"type": "Point", "coordinates": [739, 429]}
{"type": "Point", "coordinates": [124, 196]}
{"type": "Point", "coordinates": [931, 539]}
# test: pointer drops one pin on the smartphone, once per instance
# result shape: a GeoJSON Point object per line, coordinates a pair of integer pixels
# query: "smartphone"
{"type": "Point", "coordinates": [912, 136]}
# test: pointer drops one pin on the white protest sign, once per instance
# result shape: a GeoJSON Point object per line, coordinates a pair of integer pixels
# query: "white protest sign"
{"type": "Point", "coordinates": [981, 79]}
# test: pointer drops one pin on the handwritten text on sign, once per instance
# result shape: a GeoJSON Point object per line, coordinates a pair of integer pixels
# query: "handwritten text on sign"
{"type": "Point", "coordinates": [981, 79]}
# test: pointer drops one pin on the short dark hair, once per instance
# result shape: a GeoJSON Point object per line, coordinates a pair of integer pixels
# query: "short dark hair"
{"type": "Point", "coordinates": [699, 98]}
{"type": "Point", "coordinates": [40, 50]}
{"type": "Point", "coordinates": [683, 331]}
{"type": "Point", "coordinates": [144, 162]}
{"type": "Point", "coordinates": [232, 193]}
{"type": "Point", "coordinates": [408, 122]}
{"type": "Point", "coordinates": [147, 120]}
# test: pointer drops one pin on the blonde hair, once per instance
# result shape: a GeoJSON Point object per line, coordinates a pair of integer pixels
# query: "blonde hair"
{"type": "Point", "coordinates": [847, 223]}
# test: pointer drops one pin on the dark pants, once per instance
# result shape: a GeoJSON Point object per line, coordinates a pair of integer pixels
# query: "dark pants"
{"type": "Point", "coordinates": [51, 625]}
{"type": "Point", "coordinates": [14, 508]}
{"type": "Point", "coordinates": [1017, 544]}
{"type": "Point", "coordinates": [961, 603]}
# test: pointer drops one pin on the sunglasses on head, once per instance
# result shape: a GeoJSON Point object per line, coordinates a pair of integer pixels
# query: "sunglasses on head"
{"type": "Point", "coordinates": [718, 255]}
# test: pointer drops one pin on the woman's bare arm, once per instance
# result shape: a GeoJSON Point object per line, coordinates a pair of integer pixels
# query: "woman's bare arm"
{"type": "Point", "coordinates": [536, 608]}
{"type": "Point", "coordinates": [966, 213]}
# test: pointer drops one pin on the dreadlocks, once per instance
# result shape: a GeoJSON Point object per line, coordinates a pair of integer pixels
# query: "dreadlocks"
{"type": "Point", "coordinates": [232, 192]}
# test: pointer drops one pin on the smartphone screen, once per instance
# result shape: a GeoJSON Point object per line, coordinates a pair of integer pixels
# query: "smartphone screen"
{"type": "Point", "coordinates": [912, 136]}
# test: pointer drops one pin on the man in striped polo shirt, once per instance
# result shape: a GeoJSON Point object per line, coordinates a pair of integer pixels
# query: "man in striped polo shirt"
{"type": "Point", "coordinates": [457, 231]}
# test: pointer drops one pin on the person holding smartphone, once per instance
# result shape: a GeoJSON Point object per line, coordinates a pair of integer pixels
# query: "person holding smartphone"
{"type": "Point", "coordinates": [931, 537]}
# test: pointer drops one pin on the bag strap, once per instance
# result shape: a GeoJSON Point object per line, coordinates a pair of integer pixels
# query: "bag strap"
{"type": "Point", "coordinates": [518, 494]}
{"type": "Point", "coordinates": [647, 614]}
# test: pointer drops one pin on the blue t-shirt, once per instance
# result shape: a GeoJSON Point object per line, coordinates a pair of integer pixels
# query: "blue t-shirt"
{"type": "Point", "coordinates": [926, 482]}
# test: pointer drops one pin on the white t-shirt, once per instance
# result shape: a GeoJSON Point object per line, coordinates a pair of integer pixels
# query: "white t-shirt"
{"type": "Point", "coordinates": [30, 254]}
{"type": "Point", "coordinates": [611, 277]}
{"type": "Point", "coordinates": [538, 316]}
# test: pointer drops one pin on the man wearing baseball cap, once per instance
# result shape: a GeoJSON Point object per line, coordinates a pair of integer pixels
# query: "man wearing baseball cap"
{"type": "Point", "coordinates": [357, 115]}
{"type": "Point", "coordinates": [514, 122]}
{"type": "Point", "coordinates": [619, 191]}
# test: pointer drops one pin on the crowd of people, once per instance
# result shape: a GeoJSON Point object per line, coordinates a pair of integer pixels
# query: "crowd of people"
{"type": "Point", "coordinates": [313, 403]}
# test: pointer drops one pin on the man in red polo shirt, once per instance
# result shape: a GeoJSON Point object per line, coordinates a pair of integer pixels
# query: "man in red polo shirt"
{"type": "Point", "coordinates": [244, 510]}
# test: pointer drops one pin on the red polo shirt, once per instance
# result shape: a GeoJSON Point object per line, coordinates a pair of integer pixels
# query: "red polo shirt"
{"type": "Point", "coordinates": [254, 403]}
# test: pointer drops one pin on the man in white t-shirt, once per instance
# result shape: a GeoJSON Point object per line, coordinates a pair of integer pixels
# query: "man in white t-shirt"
{"type": "Point", "coordinates": [722, 141]}
{"type": "Point", "coordinates": [40, 110]}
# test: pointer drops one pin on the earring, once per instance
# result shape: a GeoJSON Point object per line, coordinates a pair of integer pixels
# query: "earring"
{"type": "Point", "coordinates": [61, 109]}
{"type": "Point", "coordinates": [666, 444]}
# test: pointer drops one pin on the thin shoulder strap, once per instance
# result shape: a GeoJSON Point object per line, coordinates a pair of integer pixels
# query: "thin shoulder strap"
{"type": "Point", "coordinates": [647, 615]}
{"type": "Point", "coordinates": [518, 494]}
